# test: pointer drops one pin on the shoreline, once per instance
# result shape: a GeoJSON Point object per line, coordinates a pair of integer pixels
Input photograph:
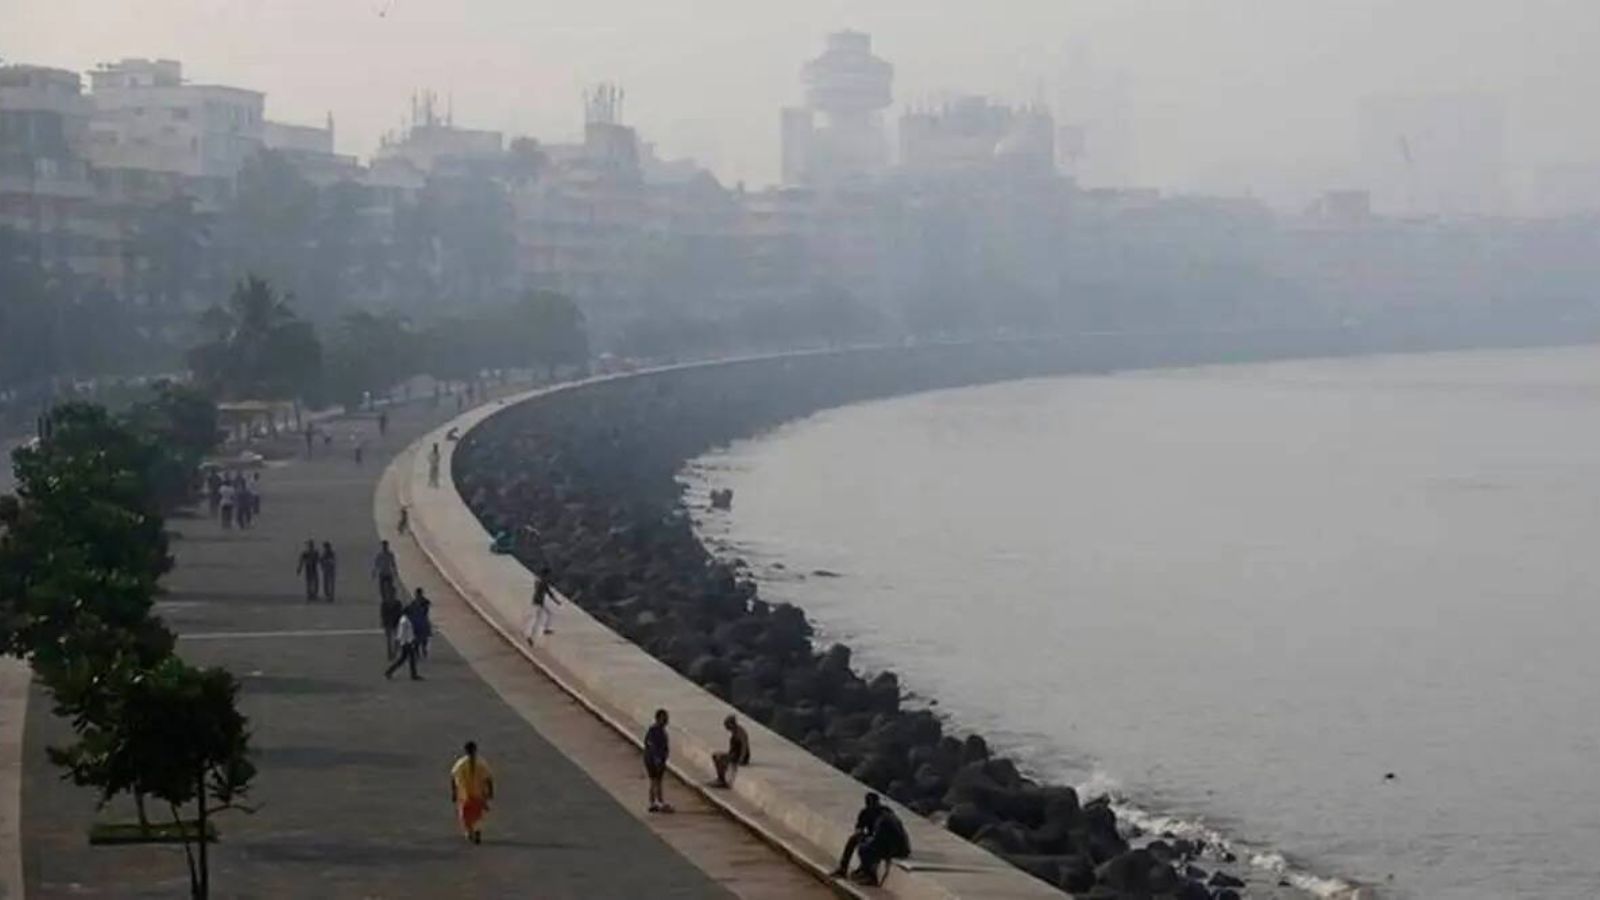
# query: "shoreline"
{"type": "Point", "coordinates": [593, 472]}
{"type": "Point", "coordinates": [1263, 867]}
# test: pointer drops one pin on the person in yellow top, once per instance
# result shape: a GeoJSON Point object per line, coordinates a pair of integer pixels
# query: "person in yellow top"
{"type": "Point", "coordinates": [471, 789]}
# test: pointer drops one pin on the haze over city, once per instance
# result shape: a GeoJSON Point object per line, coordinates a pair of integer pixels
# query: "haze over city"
{"type": "Point", "coordinates": [1230, 96]}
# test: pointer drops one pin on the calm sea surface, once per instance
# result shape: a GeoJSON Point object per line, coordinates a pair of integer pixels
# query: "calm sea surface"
{"type": "Point", "coordinates": [1238, 596]}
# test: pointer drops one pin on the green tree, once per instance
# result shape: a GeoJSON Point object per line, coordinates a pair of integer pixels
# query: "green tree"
{"type": "Point", "coordinates": [82, 549]}
{"type": "Point", "coordinates": [370, 353]}
{"type": "Point", "coordinates": [182, 424]}
{"type": "Point", "coordinates": [556, 329]}
{"type": "Point", "coordinates": [258, 348]}
{"type": "Point", "coordinates": [174, 733]}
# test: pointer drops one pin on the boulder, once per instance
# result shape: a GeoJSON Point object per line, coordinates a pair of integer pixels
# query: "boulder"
{"type": "Point", "coordinates": [1001, 838]}
{"type": "Point", "coordinates": [1077, 874]}
{"type": "Point", "coordinates": [710, 670]}
{"type": "Point", "coordinates": [967, 819]}
{"type": "Point", "coordinates": [1127, 872]}
{"type": "Point", "coordinates": [1224, 880]}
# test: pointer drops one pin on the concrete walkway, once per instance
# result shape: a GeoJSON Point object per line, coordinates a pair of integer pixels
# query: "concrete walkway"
{"type": "Point", "coordinates": [352, 786]}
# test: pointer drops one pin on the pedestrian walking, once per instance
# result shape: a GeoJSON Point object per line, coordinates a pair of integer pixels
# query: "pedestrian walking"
{"type": "Point", "coordinates": [330, 571]}
{"type": "Point", "coordinates": [539, 614]}
{"type": "Point", "coordinates": [656, 751]}
{"type": "Point", "coordinates": [383, 424]}
{"type": "Point", "coordinates": [243, 503]}
{"type": "Point", "coordinates": [390, 612]}
{"type": "Point", "coordinates": [419, 611]}
{"type": "Point", "coordinates": [405, 636]}
{"type": "Point", "coordinates": [471, 789]}
{"type": "Point", "coordinates": [213, 491]}
{"type": "Point", "coordinates": [359, 448]}
{"type": "Point", "coordinates": [384, 571]}
{"type": "Point", "coordinates": [310, 432]}
{"type": "Point", "coordinates": [225, 505]}
{"type": "Point", "coordinates": [255, 495]}
{"type": "Point", "coordinates": [404, 525]}
{"type": "Point", "coordinates": [433, 466]}
{"type": "Point", "coordinates": [310, 565]}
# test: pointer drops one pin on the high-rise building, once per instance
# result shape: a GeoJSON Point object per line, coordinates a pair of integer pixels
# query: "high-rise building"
{"type": "Point", "coordinates": [971, 133]}
{"type": "Point", "coordinates": [838, 135]}
{"type": "Point", "coordinates": [47, 190]}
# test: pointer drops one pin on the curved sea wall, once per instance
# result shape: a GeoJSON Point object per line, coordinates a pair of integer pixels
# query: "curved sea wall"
{"type": "Point", "coordinates": [586, 477]}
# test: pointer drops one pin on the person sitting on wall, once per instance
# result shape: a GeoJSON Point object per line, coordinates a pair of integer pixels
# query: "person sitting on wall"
{"type": "Point", "coordinates": [502, 543]}
{"type": "Point", "coordinates": [738, 754]}
{"type": "Point", "coordinates": [879, 836]}
{"type": "Point", "coordinates": [887, 841]}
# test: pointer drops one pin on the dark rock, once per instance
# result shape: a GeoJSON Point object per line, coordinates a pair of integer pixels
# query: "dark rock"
{"type": "Point", "coordinates": [976, 749]}
{"type": "Point", "coordinates": [1224, 880]}
{"type": "Point", "coordinates": [1001, 838]}
{"type": "Point", "coordinates": [1127, 872]}
{"type": "Point", "coordinates": [967, 819]}
{"type": "Point", "coordinates": [1077, 874]}
{"type": "Point", "coordinates": [709, 670]}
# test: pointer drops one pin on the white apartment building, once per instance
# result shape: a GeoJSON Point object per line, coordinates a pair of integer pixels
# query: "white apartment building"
{"type": "Point", "coordinates": [147, 118]}
{"type": "Point", "coordinates": [47, 189]}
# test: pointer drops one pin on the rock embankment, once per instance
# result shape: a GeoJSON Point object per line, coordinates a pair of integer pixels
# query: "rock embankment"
{"type": "Point", "coordinates": [586, 479]}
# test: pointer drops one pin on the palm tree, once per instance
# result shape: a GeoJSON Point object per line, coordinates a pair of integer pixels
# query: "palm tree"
{"type": "Point", "coordinates": [258, 347]}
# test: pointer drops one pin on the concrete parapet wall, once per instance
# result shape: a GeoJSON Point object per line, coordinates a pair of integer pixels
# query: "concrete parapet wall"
{"type": "Point", "coordinates": [792, 794]}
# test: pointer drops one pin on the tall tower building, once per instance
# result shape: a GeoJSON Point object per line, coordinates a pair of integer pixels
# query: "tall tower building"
{"type": "Point", "coordinates": [838, 135]}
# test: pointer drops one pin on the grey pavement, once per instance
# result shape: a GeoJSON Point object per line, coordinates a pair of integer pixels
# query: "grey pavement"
{"type": "Point", "coordinates": [352, 788]}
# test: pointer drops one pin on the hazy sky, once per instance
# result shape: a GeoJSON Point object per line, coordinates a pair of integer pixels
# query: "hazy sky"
{"type": "Point", "coordinates": [1215, 93]}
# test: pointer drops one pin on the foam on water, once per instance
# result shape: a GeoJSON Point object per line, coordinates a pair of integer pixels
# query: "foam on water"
{"type": "Point", "coordinates": [1273, 862]}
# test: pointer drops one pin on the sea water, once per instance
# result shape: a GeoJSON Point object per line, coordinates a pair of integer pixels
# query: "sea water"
{"type": "Point", "coordinates": [1344, 613]}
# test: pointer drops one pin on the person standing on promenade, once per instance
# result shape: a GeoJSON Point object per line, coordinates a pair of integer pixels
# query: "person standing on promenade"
{"type": "Point", "coordinates": [383, 424]}
{"type": "Point", "coordinates": [330, 571]}
{"type": "Point", "coordinates": [539, 615]}
{"type": "Point", "coordinates": [656, 751]}
{"type": "Point", "coordinates": [418, 612]}
{"type": "Point", "coordinates": [471, 789]}
{"type": "Point", "coordinates": [405, 636]}
{"type": "Point", "coordinates": [433, 466]}
{"type": "Point", "coordinates": [244, 504]}
{"type": "Point", "coordinates": [384, 569]}
{"type": "Point", "coordinates": [310, 566]}
{"type": "Point", "coordinates": [727, 764]}
{"type": "Point", "coordinates": [404, 525]}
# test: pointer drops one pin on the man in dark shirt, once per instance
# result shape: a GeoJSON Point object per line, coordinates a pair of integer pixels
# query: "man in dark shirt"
{"type": "Point", "coordinates": [656, 751]}
{"type": "Point", "coordinates": [385, 569]}
{"type": "Point", "coordinates": [738, 754]}
{"type": "Point", "coordinates": [879, 836]}
{"type": "Point", "coordinates": [310, 565]}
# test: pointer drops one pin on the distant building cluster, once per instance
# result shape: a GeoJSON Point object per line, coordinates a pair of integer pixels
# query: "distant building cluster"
{"type": "Point", "coordinates": [77, 169]}
{"type": "Point", "coordinates": [968, 219]}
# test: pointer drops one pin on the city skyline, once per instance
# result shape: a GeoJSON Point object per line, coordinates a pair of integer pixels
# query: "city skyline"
{"type": "Point", "coordinates": [1225, 100]}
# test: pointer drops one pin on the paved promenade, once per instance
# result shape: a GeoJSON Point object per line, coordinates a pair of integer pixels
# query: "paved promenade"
{"type": "Point", "coordinates": [352, 784]}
